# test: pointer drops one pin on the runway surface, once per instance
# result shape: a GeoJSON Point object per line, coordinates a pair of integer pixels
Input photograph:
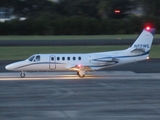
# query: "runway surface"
{"type": "Point", "coordinates": [7, 76]}
{"type": "Point", "coordinates": [102, 95]}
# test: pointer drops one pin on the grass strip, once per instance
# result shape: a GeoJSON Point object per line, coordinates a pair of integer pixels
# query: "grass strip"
{"type": "Point", "coordinates": [71, 37]}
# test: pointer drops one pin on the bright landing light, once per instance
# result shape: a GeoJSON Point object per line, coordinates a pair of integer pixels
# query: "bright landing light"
{"type": "Point", "coordinates": [79, 65]}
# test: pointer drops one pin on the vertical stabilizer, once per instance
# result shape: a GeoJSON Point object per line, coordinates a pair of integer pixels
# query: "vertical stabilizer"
{"type": "Point", "coordinates": [144, 41]}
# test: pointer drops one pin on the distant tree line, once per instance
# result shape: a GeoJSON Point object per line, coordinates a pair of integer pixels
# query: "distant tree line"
{"type": "Point", "coordinates": [75, 26]}
{"type": "Point", "coordinates": [85, 8]}
{"type": "Point", "coordinates": [78, 17]}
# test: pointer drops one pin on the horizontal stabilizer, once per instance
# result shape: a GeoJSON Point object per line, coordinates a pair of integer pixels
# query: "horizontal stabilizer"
{"type": "Point", "coordinates": [140, 51]}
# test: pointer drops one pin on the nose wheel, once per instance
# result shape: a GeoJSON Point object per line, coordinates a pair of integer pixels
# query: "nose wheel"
{"type": "Point", "coordinates": [22, 75]}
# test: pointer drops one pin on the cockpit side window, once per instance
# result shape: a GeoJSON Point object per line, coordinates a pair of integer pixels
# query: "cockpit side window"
{"type": "Point", "coordinates": [38, 58]}
{"type": "Point", "coordinates": [31, 58]}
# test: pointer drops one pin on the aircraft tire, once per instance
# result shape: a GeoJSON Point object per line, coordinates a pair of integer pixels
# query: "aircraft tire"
{"type": "Point", "coordinates": [22, 75]}
{"type": "Point", "coordinates": [81, 75]}
{"type": "Point", "coordinates": [78, 73]}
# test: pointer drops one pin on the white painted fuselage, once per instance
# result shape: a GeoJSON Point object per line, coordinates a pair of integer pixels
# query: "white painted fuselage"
{"type": "Point", "coordinates": [95, 61]}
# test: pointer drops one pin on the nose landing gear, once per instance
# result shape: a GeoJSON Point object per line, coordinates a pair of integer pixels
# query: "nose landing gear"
{"type": "Point", "coordinates": [22, 75]}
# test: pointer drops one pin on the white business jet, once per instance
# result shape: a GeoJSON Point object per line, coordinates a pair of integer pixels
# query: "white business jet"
{"type": "Point", "coordinates": [81, 63]}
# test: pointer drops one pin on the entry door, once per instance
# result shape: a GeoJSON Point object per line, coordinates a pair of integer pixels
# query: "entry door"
{"type": "Point", "coordinates": [52, 62]}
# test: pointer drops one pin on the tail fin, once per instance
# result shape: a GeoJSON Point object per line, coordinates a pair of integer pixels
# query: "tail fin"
{"type": "Point", "coordinates": [144, 41]}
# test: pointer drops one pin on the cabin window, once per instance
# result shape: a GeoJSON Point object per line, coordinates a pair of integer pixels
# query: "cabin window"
{"type": "Point", "coordinates": [74, 58]}
{"type": "Point", "coordinates": [52, 58]}
{"type": "Point", "coordinates": [58, 58]}
{"type": "Point", "coordinates": [63, 58]}
{"type": "Point", "coordinates": [68, 58]}
{"type": "Point", "coordinates": [79, 58]}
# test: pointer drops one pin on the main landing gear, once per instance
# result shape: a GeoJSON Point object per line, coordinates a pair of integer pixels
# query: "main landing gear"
{"type": "Point", "coordinates": [81, 73]}
{"type": "Point", "coordinates": [22, 75]}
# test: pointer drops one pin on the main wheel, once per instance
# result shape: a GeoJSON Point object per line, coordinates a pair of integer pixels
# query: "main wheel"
{"type": "Point", "coordinates": [78, 73]}
{"type": "Point", "coordinates": [22, 75]}
{"type": "Point", "coordinates": [81, 74]}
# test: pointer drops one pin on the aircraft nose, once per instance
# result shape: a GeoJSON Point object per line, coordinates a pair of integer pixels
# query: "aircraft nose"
{"type": "Point", "coordinates": [8, 67]}
{"type": "Point", "coordinates": [14, 66]}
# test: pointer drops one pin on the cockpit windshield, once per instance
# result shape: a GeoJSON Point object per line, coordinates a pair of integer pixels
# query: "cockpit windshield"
{"type": "Point", "coordinates": [31, 58]}
{"type": "Point", "coordinates": [34, 58]}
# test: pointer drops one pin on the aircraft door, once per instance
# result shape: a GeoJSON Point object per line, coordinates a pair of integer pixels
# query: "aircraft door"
{"type": "Point", "coordinates": [52, 62]}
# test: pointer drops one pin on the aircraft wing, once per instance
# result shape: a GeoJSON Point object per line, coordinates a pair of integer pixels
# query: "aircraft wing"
{"type": "Point", "coordinates": [79, 67]}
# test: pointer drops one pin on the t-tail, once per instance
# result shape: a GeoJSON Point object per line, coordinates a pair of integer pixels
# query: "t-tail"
{"type": "Point", "coordinates": [144, 42]}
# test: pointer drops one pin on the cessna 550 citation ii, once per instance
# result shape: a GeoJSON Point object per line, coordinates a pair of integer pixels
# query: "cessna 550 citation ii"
{"type": "Point", "coordinates": [81, 63]}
